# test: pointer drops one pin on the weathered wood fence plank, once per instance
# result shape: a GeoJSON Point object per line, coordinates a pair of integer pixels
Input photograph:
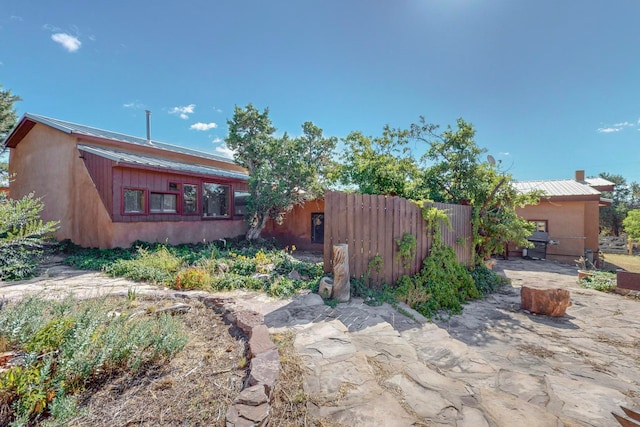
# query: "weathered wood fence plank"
{"type": "Point", "coordinates": [370, 225]}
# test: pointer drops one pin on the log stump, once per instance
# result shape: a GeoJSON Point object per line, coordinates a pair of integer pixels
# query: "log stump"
{"type": "Point", "coordinates": [341, 285]}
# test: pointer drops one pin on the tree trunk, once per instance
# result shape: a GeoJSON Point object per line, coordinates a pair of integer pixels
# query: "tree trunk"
{"type": "Point", "coordinates": [253, 233]}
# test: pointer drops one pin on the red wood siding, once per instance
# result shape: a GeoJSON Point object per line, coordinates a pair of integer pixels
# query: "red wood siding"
{"type": "Point", "coordinates": [100, 170]}
{"type": "Point", "coordinates": [158, 182]}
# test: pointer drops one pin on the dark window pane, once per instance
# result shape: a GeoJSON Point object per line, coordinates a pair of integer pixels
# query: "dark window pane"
{"type": "Point", "coordinates": [317, 228]}
{"type": "Point", "coordinates": [189, 198]}
{"type": "Point", "coordinates": [215, 200]}
{"type": "Point", "coordinates": [161, 202]}
{"type": "Point", "coordinates": [240, 199]}
{"type": "Point", "coordinates": [133, 201]}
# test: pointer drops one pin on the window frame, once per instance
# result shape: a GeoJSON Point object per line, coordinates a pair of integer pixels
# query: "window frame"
{"type": "Point", "coordinates": [145, 202]}
{"type": "Point", "coordinates": [197, 199]}
{"type": "Point", "coordinates": [538, 221]}
{"type": "Point", "coordinates": [163, 212]}
{"type": "Point", "coordinates": [229, 201]}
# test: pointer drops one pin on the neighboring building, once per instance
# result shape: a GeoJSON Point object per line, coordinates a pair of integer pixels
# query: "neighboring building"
{"type": "Point", "coordinates": [109, 190]}
{"type": "Point", "coordinates": [567, 217]}
{"type": "Point", "coordinates": [302, 227]}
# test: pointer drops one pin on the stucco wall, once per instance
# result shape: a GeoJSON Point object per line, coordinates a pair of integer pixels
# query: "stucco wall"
{"type": "Point", "coordinates": [574, 224]}
{"type": "Point", "coordinates": [47, 162]}
{"type": "Point", "coordinates": [175, 233]}
{"type": "Point", "coordinates": [296, 228]}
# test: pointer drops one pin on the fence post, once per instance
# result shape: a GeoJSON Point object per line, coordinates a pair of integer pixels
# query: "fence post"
{"type": "Point", "coordinates": [341, 285]}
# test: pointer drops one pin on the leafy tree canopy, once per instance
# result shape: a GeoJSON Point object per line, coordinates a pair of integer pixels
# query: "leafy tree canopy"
{"type": "Point", "coordinates": [632, 224]}
{"type": "Point", "coordinates": [451, 171]}
{"type": "Point", "coordinates": [8, 118]}
{"type": "Point", "coordinates": [283, 171]}
{"type": "Point", "coordinates": [379, 165]}
{"type": "Point", "coordinates": [624, 198]}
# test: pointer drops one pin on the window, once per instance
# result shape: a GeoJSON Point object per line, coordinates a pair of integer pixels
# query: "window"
{"type": "Point", "coordinates": [189, 199]}
{"type": "Point", "coordinates": [240, 202]}
{"type": "Point", "coordinates": [541, 226]}
{"type": "Point", "coordinates": [215, 200]}
{"type": "Point", "coordinates": [134, 201]}
{"type": "Point", "coordinates": [317, 228]}
{"type": "Point", "coordinates": [162, 202]}
{"type": "Point", "coordinates": [174, 186]}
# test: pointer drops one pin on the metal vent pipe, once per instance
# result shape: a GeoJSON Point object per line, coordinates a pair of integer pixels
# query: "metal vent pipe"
{"type": "Point", "coordinates": [148, 113]}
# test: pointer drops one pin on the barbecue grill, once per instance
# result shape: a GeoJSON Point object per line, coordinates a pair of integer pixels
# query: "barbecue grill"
{"type": "Point", "coordinates": [540, 240]}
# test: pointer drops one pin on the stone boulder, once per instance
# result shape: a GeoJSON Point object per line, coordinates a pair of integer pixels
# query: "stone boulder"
{"type": "Point", "coordinates": [548, 301]}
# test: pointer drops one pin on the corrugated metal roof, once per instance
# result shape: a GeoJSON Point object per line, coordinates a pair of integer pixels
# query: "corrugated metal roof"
{"type": "Point", "coordinates": [562, 187]}
{"type": "Point", "coordinates": [74, 128]}
{"type": "Point", "coordinates": [599, 182]}
{"type": "Point", "coordinates": [158, 162]}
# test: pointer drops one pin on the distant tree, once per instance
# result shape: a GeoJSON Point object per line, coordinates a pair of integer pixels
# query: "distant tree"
{"type": "Point", "coordinates": [8, 118]}
{"type": "Point", "coordinates": [456, 173]}
{"type": "Point", "coordinates": [379, 165]}
{"type": "Point", "coordinates": [283, 171]}
{"type": "Point", "coordinates": [611, 217]}
{"type": "Point", "coordinates": [632, 224]}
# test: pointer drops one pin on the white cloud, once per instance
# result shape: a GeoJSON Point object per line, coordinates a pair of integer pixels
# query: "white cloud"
{"type": "Point", "coordinates": [203, 126]}
{"type": "Point", "coordinates": [183, 112]}
{"type": "Point", "coordinates": [609, 130]}
{"type": "Point", "coordinates": [622, 124]}
{"type": "Point", "coordinates": [506, 153]}
{"type": "Point", "coordinates": [216, 140]}
{"type": "Point", "coordinates": [225, 151]}
{"type": "Point", "coordinates": [51, 28]}
{"type": "Point", "coordinates": [134, 105]}
{"type": "Point", "coordinates": [67, 41]}
{"type": "Point", "coordinates": [617, 127]}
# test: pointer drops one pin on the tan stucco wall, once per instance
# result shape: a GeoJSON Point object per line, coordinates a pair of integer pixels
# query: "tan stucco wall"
{"type": "Point", "coordinates": [175, 233]}
{"type": "Point", "coordinates": [47, 162]}
{"type": "Point", "coordinates": [572, 223]}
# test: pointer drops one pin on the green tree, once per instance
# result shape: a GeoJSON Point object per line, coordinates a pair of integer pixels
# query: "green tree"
{"type": "Point", "coordinates": [611, 217]}
{"type": "Point", "coordinates": [455, 173]}
{"type": "Point", "coordinates": [283, 171]}
{"type": "Point", "coordinates": [632, 224]}
{"type": "Point", "coordinates": [380, 165]}
{"type": "Point", "coordinates": [8, 118]}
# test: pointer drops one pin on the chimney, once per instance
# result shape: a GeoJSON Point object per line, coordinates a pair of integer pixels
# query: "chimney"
{"type": "Point", "coordinates": [148, 113]}
{"type": "Point", "coordinates": [580, 176]}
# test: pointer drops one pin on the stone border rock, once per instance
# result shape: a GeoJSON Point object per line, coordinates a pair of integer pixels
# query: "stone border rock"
{"type": "Point", "coordinates": [252, 407]}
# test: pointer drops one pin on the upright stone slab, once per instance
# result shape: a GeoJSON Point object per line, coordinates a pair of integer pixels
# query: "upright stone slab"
{"type": "Point", "coordinates": [341, 285]}
{"type": "Point", "coordinates": [548, 301]}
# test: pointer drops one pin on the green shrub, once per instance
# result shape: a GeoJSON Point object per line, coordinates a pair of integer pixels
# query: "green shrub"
{"type": "Point", "coordinates": [156, 266]}
{"type": "Point", "coordinates": [599, 280]}
{"type": "Point", "coordinates": [68, 344]}
{"type": "Point", "coordinates": [22, 234]}
{"type": "Point", "coordinates": [193, 278]}
{"type": "Point", "coordinates": [486, 280]}
{"type": "Point", "coordinates": [443, 284]}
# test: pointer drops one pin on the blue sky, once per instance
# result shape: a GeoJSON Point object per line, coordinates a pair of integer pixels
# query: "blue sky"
{"type": "Point", "coordinates": [551, 86]}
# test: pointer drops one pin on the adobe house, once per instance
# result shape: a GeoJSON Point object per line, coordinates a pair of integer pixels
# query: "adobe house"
{"type": "Point", "coordinates": [303, 227]}
{"type": "Point", "coordinates": [109, 190]}
{"type": "Point", "coordinates": [567, 217]}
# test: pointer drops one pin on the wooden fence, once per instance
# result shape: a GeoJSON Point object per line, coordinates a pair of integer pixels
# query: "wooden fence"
{"type": "Point", "coordinates": [370, 225]}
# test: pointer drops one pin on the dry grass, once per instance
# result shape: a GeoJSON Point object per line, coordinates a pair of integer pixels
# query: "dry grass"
{"type": "Point", "coordinates": [195, 388]}
{"type": "Point", "coordinates": [290, 402]}
{"type": "Point", "coordinates": [627, 262]}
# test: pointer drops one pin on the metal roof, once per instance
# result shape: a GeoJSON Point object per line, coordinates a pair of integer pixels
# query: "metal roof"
{"type": "Point", "coordinates": [599, 182]}
{"type": "Point", "coordinates": [158, 162]}
{"type": "Point", "coordinates": [561, 187]}
{"type": "Point", "coordinates": [74, 128]}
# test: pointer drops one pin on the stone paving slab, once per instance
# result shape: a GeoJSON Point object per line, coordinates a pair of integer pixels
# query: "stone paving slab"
{"type": "Point", "coordinates": [494, 365]}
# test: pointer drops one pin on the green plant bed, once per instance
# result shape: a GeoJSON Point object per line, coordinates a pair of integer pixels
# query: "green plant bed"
{"type": "Point", "coordinates": [599, 280]}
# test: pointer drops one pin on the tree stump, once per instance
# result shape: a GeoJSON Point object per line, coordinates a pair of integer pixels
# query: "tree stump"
{"type": "Point", "coordinates": [341, 285]}
{"type": "Point", "coordinates": [325, 289]}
